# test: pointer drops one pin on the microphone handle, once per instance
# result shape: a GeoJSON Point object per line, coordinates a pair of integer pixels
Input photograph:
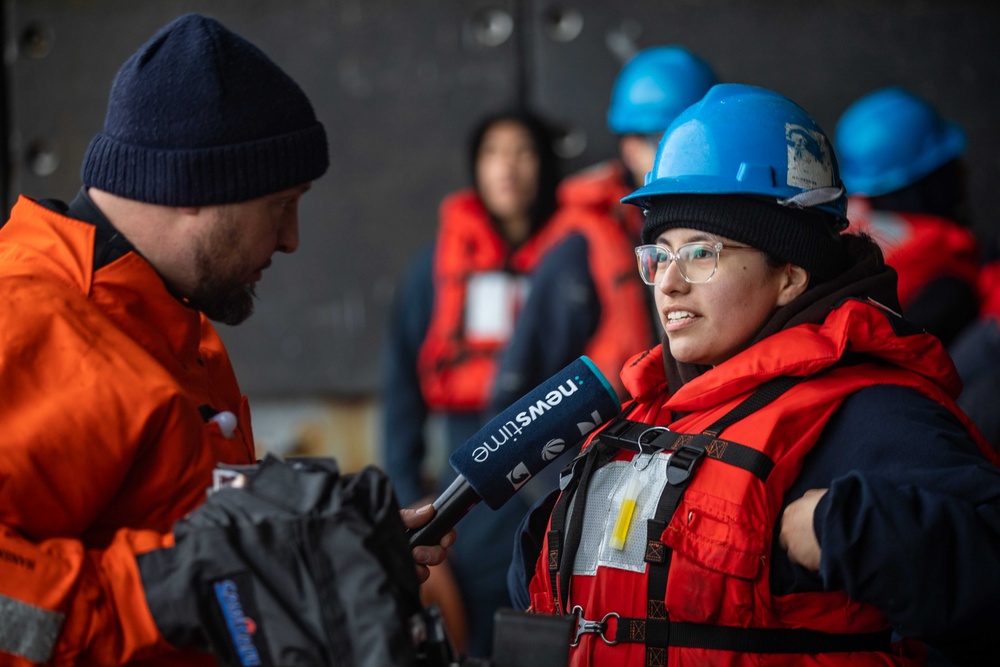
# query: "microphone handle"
{"type": "Point", "coordinates": [449, 508]}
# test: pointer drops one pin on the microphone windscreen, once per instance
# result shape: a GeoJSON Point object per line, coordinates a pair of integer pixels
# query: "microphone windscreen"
{"type": "Point", "coordinates": [553, 417]}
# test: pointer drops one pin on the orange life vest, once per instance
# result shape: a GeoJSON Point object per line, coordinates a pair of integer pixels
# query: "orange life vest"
{"type": "Point", "coordinates": [456, 370]}
{"type": "Point", "coordinates": [601, 187]}
{"type": "Point", "coordinates": [704, 552]}
{"type": "Point", "coordinates": [107, 381]}
{"type": "Point", "coordinates": [919, 247]}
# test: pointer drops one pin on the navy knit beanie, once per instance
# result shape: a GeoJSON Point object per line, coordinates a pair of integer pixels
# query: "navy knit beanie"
{"type": "Point", "coordinates": [200, 116]}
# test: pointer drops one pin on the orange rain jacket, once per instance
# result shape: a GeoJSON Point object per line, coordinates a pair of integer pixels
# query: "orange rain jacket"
{"type": "Point", "coordinates": [104, 378]}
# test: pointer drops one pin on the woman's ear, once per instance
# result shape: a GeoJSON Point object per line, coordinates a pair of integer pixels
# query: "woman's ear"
{"type": "Point", "coordinates": [794, 281]}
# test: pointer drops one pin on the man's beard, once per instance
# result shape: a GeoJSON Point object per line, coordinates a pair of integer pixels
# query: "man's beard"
{"type": "Point", "coordinates": [221, 293]}
{"type": "Point", "coordinates": [225, 301]}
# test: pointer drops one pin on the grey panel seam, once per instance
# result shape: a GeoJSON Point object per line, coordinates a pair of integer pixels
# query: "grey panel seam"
{"type": "Point", "coordinates": [28, 631]}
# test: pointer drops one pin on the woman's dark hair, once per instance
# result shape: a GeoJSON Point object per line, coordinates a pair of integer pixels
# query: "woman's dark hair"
{"type": "Point", "coordinates": [543, 138]}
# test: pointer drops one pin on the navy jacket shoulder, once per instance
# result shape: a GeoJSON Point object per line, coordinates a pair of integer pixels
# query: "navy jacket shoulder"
{"type": "Point", "coordinates": [911, 521]}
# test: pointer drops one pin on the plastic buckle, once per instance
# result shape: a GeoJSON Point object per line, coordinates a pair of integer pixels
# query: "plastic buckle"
{"type": "Point", "coordinates": [599, 628]}
{"type": "Point", "coordinates": [614, 433]}
{"type": "Point", "coordinates": [682, 463]}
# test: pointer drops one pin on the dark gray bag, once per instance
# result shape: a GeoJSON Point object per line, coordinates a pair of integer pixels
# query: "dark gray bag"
{"type": "Point", "coordinates": [300, 566]}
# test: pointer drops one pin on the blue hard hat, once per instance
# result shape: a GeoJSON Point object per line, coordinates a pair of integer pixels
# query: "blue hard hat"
{"type": "Point", "coordinates": [654, 86]}
{"type": "Point", "coordinates": [890, 138]}
{"type": "Point", "coordinates": [746, 140]}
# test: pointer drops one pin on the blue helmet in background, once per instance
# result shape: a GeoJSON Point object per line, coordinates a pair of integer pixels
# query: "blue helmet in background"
{"type": "Point", "coordinates": [745, 140]}
{"type": "Point", "coordinates": [654, 86]}
{"type": "Point", "coordinates": [890, 138]}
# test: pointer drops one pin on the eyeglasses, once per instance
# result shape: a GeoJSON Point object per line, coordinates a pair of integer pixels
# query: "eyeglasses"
{"type": "Point", "coordinates": [697, 262]}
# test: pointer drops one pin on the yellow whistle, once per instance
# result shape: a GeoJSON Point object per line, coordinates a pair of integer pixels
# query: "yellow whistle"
{"type": "Point", "coordinates": [620, 531]}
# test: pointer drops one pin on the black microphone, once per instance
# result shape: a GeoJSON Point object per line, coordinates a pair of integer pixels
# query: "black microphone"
{"type": "Point", "coordinates": [516, 444]}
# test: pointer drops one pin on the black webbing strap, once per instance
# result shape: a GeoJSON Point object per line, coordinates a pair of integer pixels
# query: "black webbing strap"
{"type": "Point", "coordinates": [657, 554]}
{"type": "Point", "coordinates": [766, 393]}
{"type": "Point", "coordinates": [663, 633]}
{"type": "Point", "coordinates": [627, 436]}
{"type": "Point", "coordinates": [595, 456]}
{"type": "Point", "coordinates": [557, 525]}
{"type": "Point", "coordinates": [555, 545]}
{"type": "Point", "coordinates": [598, 456]}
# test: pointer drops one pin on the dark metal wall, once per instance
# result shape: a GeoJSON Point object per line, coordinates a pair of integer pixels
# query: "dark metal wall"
{"type": "Point", "coordinates": [398, 84]}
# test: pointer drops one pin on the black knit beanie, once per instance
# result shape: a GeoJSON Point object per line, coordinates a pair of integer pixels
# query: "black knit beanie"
{"type": "Point", "coordinates": [804, 237]}
{"type": "Point", "coordinates": [200, 116]}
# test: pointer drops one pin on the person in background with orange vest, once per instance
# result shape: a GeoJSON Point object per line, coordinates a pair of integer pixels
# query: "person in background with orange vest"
{"type": "Point", "coordinates": [901, 165]}
{"type": "Point", "coordinates": [118, 397]}
{"type": "Point", "coordinates": [560, 317]}
{"type": "Point", "coordinates": [457, 310]}
{"type": "Point", "coordinates": [792, 479]}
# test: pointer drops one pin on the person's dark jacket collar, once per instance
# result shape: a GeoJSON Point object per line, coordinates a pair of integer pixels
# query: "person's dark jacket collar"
{"type": "Point", "coordinates": [109, 243]}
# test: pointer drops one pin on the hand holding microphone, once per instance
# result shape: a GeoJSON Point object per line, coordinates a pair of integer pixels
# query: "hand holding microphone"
{"type": "Point", "coordinates": [425, 556]}
{"type": "Point", "coordinates": [519, 442]}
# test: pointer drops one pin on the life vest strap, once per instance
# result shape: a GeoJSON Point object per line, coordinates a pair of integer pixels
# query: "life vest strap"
{"type": "Point", "coordinates": [688, 449]}
{"type": "Point", "coordinates": [663, 633]}
{"type": "Point", "coordinates": [562, 549]}
{"type": "Point", "coordinates": [766, 393]}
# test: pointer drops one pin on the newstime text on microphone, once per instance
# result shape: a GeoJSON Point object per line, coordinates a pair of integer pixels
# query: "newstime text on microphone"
{"type": "Point", "coordinates": [522, 440]}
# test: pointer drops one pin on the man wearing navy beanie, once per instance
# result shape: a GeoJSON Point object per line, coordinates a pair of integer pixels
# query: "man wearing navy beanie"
{"type": "Point", "coordinates": [200, 122]}
{"type": "Point", "coordinates": [117, 397]}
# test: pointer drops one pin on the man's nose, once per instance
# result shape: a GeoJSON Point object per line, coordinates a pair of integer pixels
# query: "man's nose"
{"type": "Point", "coordinates": [288, 237]}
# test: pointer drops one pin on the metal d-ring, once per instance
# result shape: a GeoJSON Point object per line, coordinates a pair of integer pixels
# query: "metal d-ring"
{"type": "Point", "coordinates": [599, 628]}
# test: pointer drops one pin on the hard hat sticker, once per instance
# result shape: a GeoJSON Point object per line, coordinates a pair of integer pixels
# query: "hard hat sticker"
{"type": "Point", "coordinates": [810, 164]}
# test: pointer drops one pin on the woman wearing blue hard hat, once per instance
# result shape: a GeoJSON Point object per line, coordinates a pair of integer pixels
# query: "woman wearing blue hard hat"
{"type": "Point", "coordinates": [792, 480]}
{"type": "Point", "coordinates": [902, 167]}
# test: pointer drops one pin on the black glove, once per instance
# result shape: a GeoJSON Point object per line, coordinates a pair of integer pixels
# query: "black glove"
{"type": "Point", "coordinates": [301, 566]}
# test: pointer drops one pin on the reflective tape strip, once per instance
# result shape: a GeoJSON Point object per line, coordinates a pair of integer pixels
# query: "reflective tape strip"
{"type": "Point", "coordinates": [28, 631]}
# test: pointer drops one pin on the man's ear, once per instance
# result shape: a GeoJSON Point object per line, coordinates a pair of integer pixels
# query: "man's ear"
{"type": "Point", "coordinates": [795, 280]}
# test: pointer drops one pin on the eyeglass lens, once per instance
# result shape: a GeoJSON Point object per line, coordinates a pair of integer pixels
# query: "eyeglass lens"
{"type": "Point", "coordinates": [697, 261]}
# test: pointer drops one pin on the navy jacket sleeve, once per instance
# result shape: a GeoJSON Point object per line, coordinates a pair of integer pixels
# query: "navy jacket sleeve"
{"type": "Point", "coordinates": [404, 410]}
{"type": "Point", "coordinates": [527, 547]}
{"type": "Point", "coordinates": [558, 319]}
{"type": "Point", "coordinates": [911, 521]}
